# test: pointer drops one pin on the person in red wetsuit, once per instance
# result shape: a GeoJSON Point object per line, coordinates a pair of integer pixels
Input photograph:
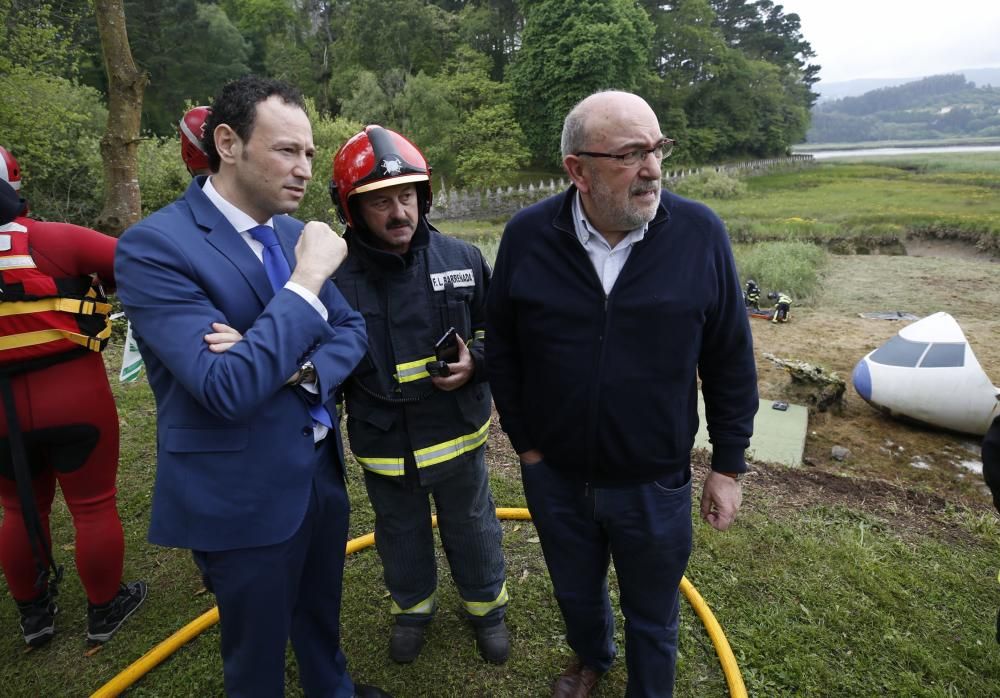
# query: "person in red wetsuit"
{"type": "Point", "coordinates": [53, 323]}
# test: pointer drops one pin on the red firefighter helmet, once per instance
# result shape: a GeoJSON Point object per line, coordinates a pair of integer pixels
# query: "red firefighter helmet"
{"type": "Point", "coordinates": [373, 159]}
{"type": "Point", "coordinates": [10, 171]}
{"type": "Point", "coordinates": [192, 128]}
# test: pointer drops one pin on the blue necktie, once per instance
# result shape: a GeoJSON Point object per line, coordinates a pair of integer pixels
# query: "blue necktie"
{"type": "Point", "coordinates": [278, 272]}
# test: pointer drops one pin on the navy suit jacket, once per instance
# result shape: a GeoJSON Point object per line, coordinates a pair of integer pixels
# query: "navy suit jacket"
{"type": "Point", "coordinates": [235, 451]}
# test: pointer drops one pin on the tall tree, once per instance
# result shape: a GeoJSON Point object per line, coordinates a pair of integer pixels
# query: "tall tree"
{"type": "Point", "coordinates": [264, 21]}
{"type": "Point", "coordinates": [762, 30]}
{"type": "Point", "coordinates": [189, 49]}
{"type": "Point", "coordinates": [569, 49]}
{"type": "Point", "coordinates": [119, 146]}
{"type": "Point", "coordinates": [492, 27]}
{"type": "Point", "coordinates": [48, 120]}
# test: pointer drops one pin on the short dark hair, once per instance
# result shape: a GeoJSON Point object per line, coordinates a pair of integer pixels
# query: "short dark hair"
{"type": "Point", "coordinates": [236, 106]}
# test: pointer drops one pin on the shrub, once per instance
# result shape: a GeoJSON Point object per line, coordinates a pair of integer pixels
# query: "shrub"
{"type": "Point", "coordinates": [162, 175]}
{"type": "Point", "coordinates": [53, 127]}
{"type": "Point", "coordinates": [710, 185]}
{"type": "Point", "coordinates": [328, 135]}
{"type": "Point", "coordinates": [792, 267]}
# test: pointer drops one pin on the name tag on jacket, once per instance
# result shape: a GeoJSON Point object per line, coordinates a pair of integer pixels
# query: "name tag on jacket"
{"type": "Point", "coordinates": [458, 278]}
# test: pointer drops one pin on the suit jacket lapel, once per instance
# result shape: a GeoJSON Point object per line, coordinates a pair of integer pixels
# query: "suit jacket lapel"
{"type": "Point", "coordinates": [222, 236]}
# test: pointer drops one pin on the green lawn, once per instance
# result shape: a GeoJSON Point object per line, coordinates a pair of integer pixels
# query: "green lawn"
{"type": "Point", "coordinates": [835, 200]}
{"type": "Point", "coordinates": [818, 600]}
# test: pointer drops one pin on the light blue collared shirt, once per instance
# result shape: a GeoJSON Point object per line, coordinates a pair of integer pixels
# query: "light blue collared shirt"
{"type": "Point", "coordinates": [608, 261]}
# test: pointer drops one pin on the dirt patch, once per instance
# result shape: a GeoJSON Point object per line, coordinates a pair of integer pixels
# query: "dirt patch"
{"type": "Point", "coordinates": [948, 249]}
{"type": "Point", "coordinates": [775, 490]}
{"type": "Point", "coordinates": [830, 333]}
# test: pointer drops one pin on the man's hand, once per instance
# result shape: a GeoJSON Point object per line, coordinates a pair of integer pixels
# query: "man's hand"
{"type": "Point", "coordinates": [459, 372]}
{"type": "Point", "coordinates": [531, 456]}
{"type": "Point", "coordinates": [222, 338]}
{"type": "Point", "coordinates": [318, 253]}
{"type": "Point", "coordinates": [720, 500]}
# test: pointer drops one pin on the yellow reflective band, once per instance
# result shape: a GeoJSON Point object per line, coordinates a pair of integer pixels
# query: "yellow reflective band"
{"type": "Point", "coordinates": [431, 455]}
{"type": "Point", "coordinates": [413, 370]}
{"type": "Point", "coordinates": [479, 335]}
{"type": "Point", "coordinates": [425, 606]}
{"type": "Point", "coordinates": [65, 305]}
{"type": "Point", "coordinates": [381, 466]}
{"type": "Point", "coordinates": [438, 453]}
{"type": "Point", "coordinates": [17, 262]}
{"type": "Point", "coordinates": [29, 339]}
{"type": "Point", "coordinates": [481, 608]}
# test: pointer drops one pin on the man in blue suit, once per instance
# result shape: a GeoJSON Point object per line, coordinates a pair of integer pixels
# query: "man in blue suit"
{"type": "Point", "coordinates": [245, 341]}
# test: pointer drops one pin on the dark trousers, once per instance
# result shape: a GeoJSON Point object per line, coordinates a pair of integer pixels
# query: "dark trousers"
{"type": "Point", "coordinates": [470, 535]}
{"type": "Point", "coordinates": [646, 529]}
{"type": "Point", "coordinates": [269, 594]}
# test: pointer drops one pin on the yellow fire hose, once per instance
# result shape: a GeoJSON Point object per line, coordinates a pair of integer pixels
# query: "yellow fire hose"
{"type": "Point", "coordinates": [158, 654]}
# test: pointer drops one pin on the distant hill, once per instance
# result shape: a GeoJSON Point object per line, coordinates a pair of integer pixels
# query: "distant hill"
{"type": "Point", "coordinates": [852, 88]}
{"type": "Point", "coordinates": [931, 108]}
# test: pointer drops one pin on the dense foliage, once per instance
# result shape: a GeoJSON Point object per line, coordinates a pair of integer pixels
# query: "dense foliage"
{"type": "Point", "coordinates": [480, 85]}
{"type": "Point", "coordinates": [941, 106]}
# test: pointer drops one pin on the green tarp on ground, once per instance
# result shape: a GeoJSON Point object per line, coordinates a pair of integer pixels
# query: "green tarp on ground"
{"type": "Point", "coordinates": [778, 436]}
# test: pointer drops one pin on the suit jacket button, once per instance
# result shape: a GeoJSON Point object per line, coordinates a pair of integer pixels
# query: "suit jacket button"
{"type": "Point", "coordinates": [307, 431]}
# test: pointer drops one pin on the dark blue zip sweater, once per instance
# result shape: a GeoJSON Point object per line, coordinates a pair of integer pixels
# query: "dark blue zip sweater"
{"type": "Point", "coordinates": [606, 387]}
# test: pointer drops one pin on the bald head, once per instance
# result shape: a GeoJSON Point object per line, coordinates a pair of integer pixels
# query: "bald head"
{"type": "Point", "coordinates": [612, 148]}
{"type": "Point", "coordinates": [601, 115]}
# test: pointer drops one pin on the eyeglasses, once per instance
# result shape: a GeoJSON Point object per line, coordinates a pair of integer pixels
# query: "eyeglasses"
{"type": "Point", "coordinates": [634, 157]}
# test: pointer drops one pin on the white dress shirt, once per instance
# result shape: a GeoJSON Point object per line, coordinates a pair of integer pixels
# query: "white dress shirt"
{"type": "Point", "coordinates": [608, 261]}
{"type": "Point", "coordinates": [243, 222]}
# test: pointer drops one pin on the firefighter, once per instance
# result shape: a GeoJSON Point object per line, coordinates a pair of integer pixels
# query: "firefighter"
{"type": "Point", "coordinates": [752, 295]}
{"type": "Point", "coordinates": [59, 422]}
{"type": "Point", "coordinates": [782, 304]}
{"type": "Point", "coordinates": [192, 131]}
{"type": "Point", "coordinates": [417, 419]}
{"type": "Point", "coordinates": [10, 171]}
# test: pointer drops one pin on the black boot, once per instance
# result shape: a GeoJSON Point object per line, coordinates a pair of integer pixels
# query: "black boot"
{"type": "Point", "coordinates": [104, 621]}
{"type": "Point", "coordinates": [493, 642]}
{"type": "Point", "coordinates": [38, 619]}
{"type": "Point", "coordinates": [405, 642]}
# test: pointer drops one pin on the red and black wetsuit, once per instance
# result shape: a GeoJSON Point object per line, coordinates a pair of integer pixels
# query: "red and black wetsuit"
{"type": "Point", "coordinates": [69, 423]}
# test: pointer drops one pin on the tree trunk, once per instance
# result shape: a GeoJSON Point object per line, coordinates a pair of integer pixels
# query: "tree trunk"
{"type": "Point", "coordinates": [120, 143]}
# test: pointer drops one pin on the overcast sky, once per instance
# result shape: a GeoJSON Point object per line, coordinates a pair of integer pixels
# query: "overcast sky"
{"type": "Point", "coordinates": [898, 38]}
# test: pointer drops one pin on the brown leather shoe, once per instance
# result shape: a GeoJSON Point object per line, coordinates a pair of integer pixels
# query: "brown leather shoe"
{"type": "Point", "coordinates": [576, 682]}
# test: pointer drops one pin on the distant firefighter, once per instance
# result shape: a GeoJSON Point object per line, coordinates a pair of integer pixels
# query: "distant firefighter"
{"type": "Point", "coordinates": [192, 131]}
{"type": "Point", "coordinates": [752, 295]}
{"type": "Point", "coordinates": [782, 304]}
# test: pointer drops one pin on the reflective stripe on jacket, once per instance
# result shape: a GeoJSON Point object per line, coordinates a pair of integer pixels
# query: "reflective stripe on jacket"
{"type": "Point", "coordinates": [399, 424]}
{"type": "Point", "coordinates": [40, 315]}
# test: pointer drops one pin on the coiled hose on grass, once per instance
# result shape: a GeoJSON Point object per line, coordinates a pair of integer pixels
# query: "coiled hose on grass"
{"type": "Point", "coordinates": [158, 654]}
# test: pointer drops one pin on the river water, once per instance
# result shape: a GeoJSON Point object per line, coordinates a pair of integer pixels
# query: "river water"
{"type": "Point", "coordinates": [875, 152]}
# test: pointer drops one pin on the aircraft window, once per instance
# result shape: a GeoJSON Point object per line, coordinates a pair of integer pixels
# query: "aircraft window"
{"type": "Point", "coordinates": [944, 356]}
{"type": "Point", "coordinates": [899, 352]}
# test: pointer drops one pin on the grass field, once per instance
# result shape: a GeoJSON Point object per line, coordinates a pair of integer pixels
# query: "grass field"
{"type": "Point", "coordinates": [864, 205]}
{"type": "Point", "coordinates": [857, 578]}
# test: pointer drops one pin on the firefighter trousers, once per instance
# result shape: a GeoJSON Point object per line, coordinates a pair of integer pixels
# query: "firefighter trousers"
{"type": "Point", "coordinates": [470, 535]}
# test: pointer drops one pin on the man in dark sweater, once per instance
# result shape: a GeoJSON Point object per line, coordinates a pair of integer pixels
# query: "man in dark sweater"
{"type": "Point", "coordinates": [608, 303]}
